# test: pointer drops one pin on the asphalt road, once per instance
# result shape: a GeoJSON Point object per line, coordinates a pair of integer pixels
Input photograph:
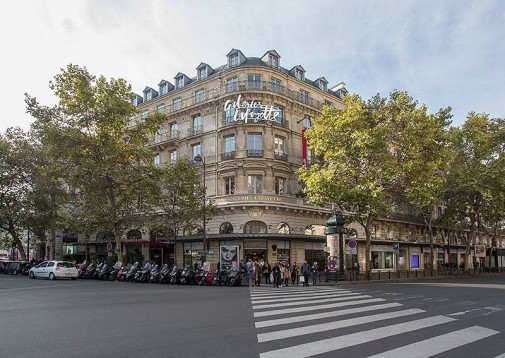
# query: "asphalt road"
{"type": "Point", "coordinates": [42, 318]}
{"type": "Point", "coordinates": [64, 318]}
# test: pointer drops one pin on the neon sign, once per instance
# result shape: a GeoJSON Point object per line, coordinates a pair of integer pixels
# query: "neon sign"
{"type": "Point", "coordinates": [252, 111]}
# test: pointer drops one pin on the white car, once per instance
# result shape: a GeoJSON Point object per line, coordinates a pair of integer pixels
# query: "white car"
{"type": "Point", "coordinates": [54, 270]}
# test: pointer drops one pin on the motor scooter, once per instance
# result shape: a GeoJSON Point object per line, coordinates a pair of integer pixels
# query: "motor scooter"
{"type": "Point", "coordinates": [164, 274]}
{"type": "Point", "coordinates": [130, 275]}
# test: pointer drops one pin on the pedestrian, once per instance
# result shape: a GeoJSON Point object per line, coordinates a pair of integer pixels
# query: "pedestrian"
{"type": "Point", "coordinates": [315, 272]}
{"type": "Point", "coordinates": [267, 269]}
{"type": "Point", "coordinates": [293, 269]}
{"type": "Point", "coordinates": [249, 271]}
{"type": "Point", "coordinates": [276, 272]}
{"type": "Point", "coordinates": [305, 273]}
{"type": "Point", "coordinates": [287, 275]}
{"type": "Point", "coordinates": [258, 274]}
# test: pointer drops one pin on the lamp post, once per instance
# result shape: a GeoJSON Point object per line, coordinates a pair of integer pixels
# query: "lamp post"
{"type": "Point", "coordinates": [198, 158]}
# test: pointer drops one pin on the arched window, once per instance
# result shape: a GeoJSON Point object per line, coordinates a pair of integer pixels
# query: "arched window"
{"type": "Point", "coordinates": [105, 236]}
{"type": "Point", "coordinates": [226, 228]}
{"type": "Point", "coordinates": [134, 235]}
{"type": "Point", "coordinates": [283, 228]}
{"type": "Point", "coordinates": [193, 230]}
{"type": "Point", "coordinates": [160, 233]}
{"type": "Point", "coordinates": [255, 227]}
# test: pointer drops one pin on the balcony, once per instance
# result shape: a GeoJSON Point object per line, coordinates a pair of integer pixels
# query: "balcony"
{"type": "Point", "coordinates": [281, 156]}
{"type": "Point", "coordinates": [228, 155]}
{"type": "Point", "coordinates": [255, 153]}
{"type": "Point", "coordinates": [197, 130]}
{"type": "Point", "coordinates": [164, 137]}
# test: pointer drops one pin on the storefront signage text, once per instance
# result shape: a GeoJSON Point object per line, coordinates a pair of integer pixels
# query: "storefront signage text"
{"type": "Point", "coordinates": [252, 111]}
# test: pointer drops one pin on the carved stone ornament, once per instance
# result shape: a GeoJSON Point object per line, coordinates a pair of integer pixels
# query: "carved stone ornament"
{"type": "Point", "coordinates": [255, 213]}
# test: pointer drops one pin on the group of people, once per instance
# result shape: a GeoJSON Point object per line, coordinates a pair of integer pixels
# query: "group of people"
{"type": "Point", "coordinates": [279, 274]}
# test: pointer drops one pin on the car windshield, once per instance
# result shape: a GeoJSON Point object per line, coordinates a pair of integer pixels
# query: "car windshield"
{"type": "Point", "coordinates": [65, 264]}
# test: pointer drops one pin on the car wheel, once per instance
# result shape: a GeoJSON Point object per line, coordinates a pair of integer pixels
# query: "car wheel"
{"type": "Point", "coordinates": [51, 276]}
{"type": "Point", "coordinates": [31, 274]}
{"type": "Point", "coordinates": [74, 278]}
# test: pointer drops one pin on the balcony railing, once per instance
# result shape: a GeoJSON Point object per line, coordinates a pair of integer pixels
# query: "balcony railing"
{"type": "Point", "coordinates": [164, 137]}
{"type": "Point", "coordinates": [242, 86]}
{"type": "Point", "coordinates": [281, 156]}
{"type": "Point", "coordinates": [228, 155]}
{"type": "Point", "coordinates": [255, 153]}
{"type": "Point", "coordinates": [195, 130]}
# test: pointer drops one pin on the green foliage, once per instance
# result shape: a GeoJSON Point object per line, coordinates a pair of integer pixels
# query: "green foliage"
{"type": "Point", "coordinates": [372, 156]}
{"type": "Point", "coordinates": [101, 154]}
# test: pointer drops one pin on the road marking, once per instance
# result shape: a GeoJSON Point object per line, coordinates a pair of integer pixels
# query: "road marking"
{"type": "Point", "coordinates": [304, 318]}
{"type": "Point", "coordinates": [331, 344]}
{"type": "Point", "coordinates": [315, 308]}
{"type": "Point", "coordinates": [439, 344]}
{"type": "Point", "coordinates": [471, 285]}
{"type": "Point", "coordinates": [299, 302]}
{"type": "Point", "coordinates": [324, 327]}
{"type": "Point", "coordinates": [294, 297]}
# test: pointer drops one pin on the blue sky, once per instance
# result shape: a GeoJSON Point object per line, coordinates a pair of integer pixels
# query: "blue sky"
{"type": "Point", "coordinates": [443, 53]}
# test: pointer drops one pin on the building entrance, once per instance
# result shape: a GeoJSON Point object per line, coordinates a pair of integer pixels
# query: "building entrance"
{"type": "Point", "coordinates": [255, 254]}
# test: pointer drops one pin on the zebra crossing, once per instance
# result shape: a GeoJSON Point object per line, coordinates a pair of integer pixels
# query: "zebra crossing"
{"type": "Point", "coordinates": [307, 321]}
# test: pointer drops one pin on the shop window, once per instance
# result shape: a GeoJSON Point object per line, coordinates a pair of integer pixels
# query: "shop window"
{"type": "Point", "coordinates": [382, 260]}
{"type": "Point", "coordinates": [414, 261]}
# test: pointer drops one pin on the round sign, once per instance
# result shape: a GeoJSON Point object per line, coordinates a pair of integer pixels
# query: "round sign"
{"type": "Point", "coordinates": [353, 244]}
{"type": "Point", "coordinates": [109, 246]}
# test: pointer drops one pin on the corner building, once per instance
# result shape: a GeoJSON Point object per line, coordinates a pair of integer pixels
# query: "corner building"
{"type": "Point", "coordinates": [246, 120]}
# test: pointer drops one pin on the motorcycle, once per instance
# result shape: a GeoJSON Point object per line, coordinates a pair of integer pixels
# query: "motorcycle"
{"type": "Point", "coordinates": [207, 278]}
{"type": "Point", "coordinates": [81, 268]}
{"type": "Point", "coordinates": [220, 278]}
{"type": "Point", "coordinates": [164, 274]}
{"type": "Point", "coordinates": [123, 272]}
{"type": "Point", "coordinates": [143, 274]}
{"type": "Point", "coordinates": [188, 276]}
{"type": "Point", "coordinates": [130, 275]}
{"type": "Point", "coordinates": [175, 275]}
{"type": "Point", "coordinates": [113, 274]}
{"type": "Point", "coordinates": [235, 277]}
{"type": "Point", "coordinates": [90, 270]}
{"type": "Point", "coordinates": [154, 276]}
{"type": "Point", "coordinates": [104, 272]}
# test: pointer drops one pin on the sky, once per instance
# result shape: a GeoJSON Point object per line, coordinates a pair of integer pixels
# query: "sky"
{"type": "Point", "coordinates": [443, 53]}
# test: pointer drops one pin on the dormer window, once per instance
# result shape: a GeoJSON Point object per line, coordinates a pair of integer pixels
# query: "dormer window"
{"type": "Point", "coordinates": [299, 74]}
{"type": "Point", "coordinates": [179, 82]}
{"type": "Point", "coordinates": [202, 73]}
{"type": "Point", "coordinates": [164, 89]}
{"type": "Point", "coordinates": [234, 60]}
{"type": "Point", "coordinates": [323, 86]}
{"type": "Point", "coordinates": [149, 96]}
{"type": "Point", "coordinates": [274, 61]}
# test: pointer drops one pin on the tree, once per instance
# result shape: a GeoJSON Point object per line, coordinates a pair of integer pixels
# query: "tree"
{"type": "Point", "coordinates": [367, 156]}
{"type": "Point", "coordinates": [17, 176]}
{"type": "Point", "coordinates": [181, 196]}
{"type": "Point", "coordinates": [474, 191]}
{"type": "Point", "coordinates": [108, 164]}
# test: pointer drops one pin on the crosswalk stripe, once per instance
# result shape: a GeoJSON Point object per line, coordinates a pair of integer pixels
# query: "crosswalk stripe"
{"type": "Point", "coordinates": [331, 344]}
{"type": "Point", "coordinates": [294, 297]}
{"type": "Point", "coordinates": [324, 327]}
{"type": "Point", "coordinates": [301, 301]}
{"type": "Point", "coordinates": [440, 344]}
{"type": "Point", "coordinates": [315, 308]}
{"type": "Point", "coordinates": [289, 292]}
{"type": "Point", "coordinates": [311, 317]}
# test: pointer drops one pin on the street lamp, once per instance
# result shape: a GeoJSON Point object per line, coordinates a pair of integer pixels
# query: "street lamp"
{"type": "Point", "coordinates": [198, 158]}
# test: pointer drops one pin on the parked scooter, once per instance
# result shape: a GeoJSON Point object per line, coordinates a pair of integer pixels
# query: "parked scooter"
{"type": "Point", "coordinates": [235, 277]}
{"type": "Point", "coordinates": [113, 274]}
{"type": "Point", "coordinates": [123, 272]}
{"type": "Point", "coordinates": [220, 278]}
{"type": "Point", "coordinates": [130, 275]}
{"type": "Point", "coordinates": [175, 275]}
{"type": "Point", "coordinates": [143, 274]}
{"type": "Point", "coordinates": [207, 278]}
{"type": "Point", "coordinates": [164, 274]}
{"type": "Point", "coordinates": [81, 268]}
{"type": "Point", "coordinates": [104, 272]}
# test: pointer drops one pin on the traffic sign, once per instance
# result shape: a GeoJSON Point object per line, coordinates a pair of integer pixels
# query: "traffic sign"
{"type": "Point", "coordinates": [353, 246]}
{"type": "Point", "coordinates": [109, 246]}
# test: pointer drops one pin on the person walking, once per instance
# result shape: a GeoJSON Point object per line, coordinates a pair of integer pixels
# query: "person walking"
{"type": "Point", "coordinates": [293, 269]}
{"type": "Point", "coordinates": [305, 273]}
{"type": "Point", "coordinates": [315, 272]}
{"type": "Point", "coordinates": [276, 272]}
{"type": "Point", "coordinates": [267, 269]}
{"type": "Point", "coordinates": [287, 275]}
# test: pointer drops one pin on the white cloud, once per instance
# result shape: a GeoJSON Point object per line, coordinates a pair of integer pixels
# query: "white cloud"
{"type": "Point", "coordinates": [443, 53]}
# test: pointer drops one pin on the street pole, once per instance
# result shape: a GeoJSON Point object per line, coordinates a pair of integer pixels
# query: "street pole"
{"type": "Point", "coordinates": [28, 246]}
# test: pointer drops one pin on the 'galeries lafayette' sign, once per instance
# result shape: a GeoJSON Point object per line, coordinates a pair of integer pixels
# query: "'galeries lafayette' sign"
{"type": "Point", "coordinates": [252, 111]}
